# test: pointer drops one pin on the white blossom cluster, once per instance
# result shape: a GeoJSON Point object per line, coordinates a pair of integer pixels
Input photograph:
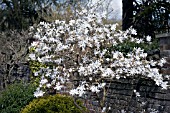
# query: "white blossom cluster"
{"type": "Point", "coordinates": [86, 46]}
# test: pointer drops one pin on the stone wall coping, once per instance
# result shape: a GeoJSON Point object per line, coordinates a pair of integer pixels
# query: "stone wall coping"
{"type": "Point", "coordinates": [163, 35]}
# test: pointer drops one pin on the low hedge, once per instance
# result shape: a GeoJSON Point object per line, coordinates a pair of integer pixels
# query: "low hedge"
{"type": "Point", "coordinates": [54, 104]}
{"type": "Point", "coordinates": [15, 97]}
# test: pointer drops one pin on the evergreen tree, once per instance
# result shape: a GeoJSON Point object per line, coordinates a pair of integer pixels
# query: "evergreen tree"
{"type": "Point", "coordinates": [147, 16]}
{"type": "Point", "coordinates": [19, 14]}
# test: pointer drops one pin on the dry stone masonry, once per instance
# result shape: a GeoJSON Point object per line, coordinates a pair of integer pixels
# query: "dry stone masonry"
{"type": "Point", "coordinates": [134, 95]}
{"type": "Point", "coordinates": [141, 95]}
{"type": "Point", "coordinates": [165, 51]}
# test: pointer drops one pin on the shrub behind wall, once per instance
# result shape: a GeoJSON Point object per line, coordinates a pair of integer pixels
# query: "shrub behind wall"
{"type": "Point", "coordinates": [16, 96]}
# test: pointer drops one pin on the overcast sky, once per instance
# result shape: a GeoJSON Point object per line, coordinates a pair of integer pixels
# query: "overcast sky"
{"type": "Point", "coordinates": [115, 5]}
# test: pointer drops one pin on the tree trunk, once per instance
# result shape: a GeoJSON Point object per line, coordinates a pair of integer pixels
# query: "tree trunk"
{"type": "Point", "coordinates": [127, 14]}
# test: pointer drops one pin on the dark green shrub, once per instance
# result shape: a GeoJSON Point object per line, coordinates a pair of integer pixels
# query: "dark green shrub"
{"type": "Point", "coordinates": [15, 97]}
{"type": "Point", "coordinates": [54, 104]}
{"type": "Point", "coordinates": [128, 46]}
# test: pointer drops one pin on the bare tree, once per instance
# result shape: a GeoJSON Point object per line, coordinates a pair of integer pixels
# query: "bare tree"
{"type": "Point", "coordinates": [14, 48]}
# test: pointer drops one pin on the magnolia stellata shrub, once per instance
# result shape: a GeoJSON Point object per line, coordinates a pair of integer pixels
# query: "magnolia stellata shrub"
{"type": "Point", "coordinates": [85, 47]}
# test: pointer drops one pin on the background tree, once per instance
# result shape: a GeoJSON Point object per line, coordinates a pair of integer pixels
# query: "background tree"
{"type": "Point", "coordinates": [149, 16]}
{"type": "Point", "coordinates": [127, 14]}
{"type": "Point", "coordinates": [19, 14]}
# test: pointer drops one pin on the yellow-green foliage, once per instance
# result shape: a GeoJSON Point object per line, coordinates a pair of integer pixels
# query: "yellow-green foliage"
{"type": "Point", "coordinates": [54, 104]}
{"type": "Point", "coordinates": [35, 66]}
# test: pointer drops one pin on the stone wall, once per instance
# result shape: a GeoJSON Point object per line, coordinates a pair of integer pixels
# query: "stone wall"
{"type": "Point", "coordinates": [165, 51]}
{"type": "Point", "coordinates": [121, 93]}
{"type": "Point", "coordinates": [20, 72]}
{"type": "Point", "coordinates": [122, 96]}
